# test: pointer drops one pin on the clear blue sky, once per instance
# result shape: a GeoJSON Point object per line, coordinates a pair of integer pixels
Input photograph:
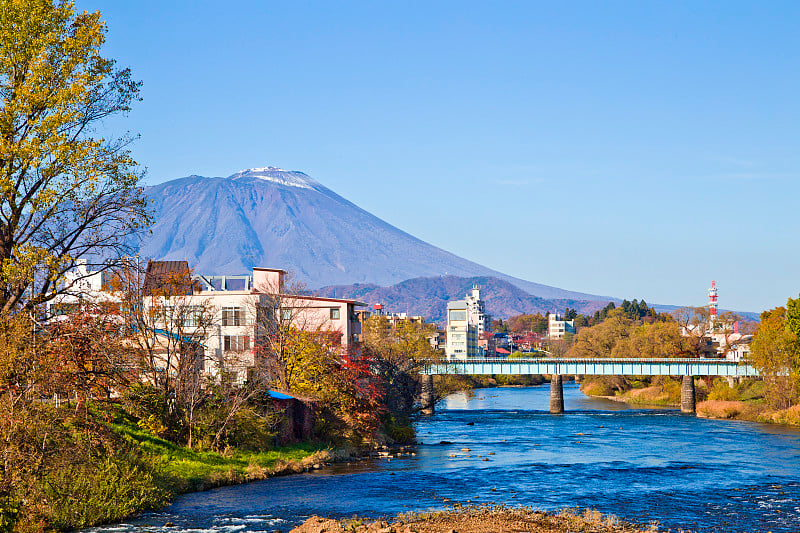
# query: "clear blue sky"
{"type": "Point", "coordinates": [633, 149]}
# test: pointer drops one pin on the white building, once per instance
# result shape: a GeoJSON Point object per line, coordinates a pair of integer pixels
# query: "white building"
{"type": "Point", "coordinates": [236, 303]}
{"type": "Point", "coordinates": [84, 286]}
{"type": "Point", "coordinates": [739, 350]}
{"type": "Point", "coordinates": [462, 335]}
{"type": "Point", "coordinates": [476, 311]}
{"type": "Point", "coordinates": [558, 328]}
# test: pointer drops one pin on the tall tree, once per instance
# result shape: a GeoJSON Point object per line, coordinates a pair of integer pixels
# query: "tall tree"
{"type": "Point", "coordinates": [91, 356]}
{"type": "Point", "coordinates": [621, 336]}
{"type": "Point", "coordinates": [167, 330]}
{"type": "Point", "coordinates": [398, 350]}
{"type": "Point", "coordinates": [775, 351]}
{"type": "Point", "coordinates": [793, 315]}
{"type": "Point", "coordinates": [66, 192]}
{"type": "Point", "coordinates": [293, 343]}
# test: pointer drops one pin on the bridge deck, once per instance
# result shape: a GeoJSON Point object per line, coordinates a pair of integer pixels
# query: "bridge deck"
{"type": "Point", "coordinates": [594, 367]}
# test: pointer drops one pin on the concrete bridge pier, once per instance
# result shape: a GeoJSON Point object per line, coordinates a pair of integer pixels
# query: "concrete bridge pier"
{"type": "Point", "coordinates": [687, 395]}
{"type": "Point", "coordinates": [426, 399]}
{"type": "Point", "coordinates": [556, 394]}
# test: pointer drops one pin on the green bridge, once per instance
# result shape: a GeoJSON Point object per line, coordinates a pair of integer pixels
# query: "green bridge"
{"type": "Point", "coordinates": [556, 368]}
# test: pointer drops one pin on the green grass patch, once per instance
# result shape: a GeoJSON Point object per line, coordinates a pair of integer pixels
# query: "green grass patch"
{"type": "Point", "coordinates": [189, 470]}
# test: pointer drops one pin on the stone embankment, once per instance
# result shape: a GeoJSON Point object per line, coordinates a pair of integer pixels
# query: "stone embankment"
{"type": "Point", "coordinates": [478, 520]}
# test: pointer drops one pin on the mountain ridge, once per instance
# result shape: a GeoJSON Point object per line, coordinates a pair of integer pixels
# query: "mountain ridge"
{"type": "Point", "coordinates": [267, 216]}
{"type": "Point", "coordinates": [428, 297]}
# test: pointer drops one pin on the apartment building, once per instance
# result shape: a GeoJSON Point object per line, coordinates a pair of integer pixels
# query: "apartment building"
{"type": "Point", "coordinates": [558, 328]}
{"type": "Point", "coordinates": [233, 311]}
{"type": "Point", "coordinates": [462, 335]}
{"type": "Point", "coordinates": [476, 310]}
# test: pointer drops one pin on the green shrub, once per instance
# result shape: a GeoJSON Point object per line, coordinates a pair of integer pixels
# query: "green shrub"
{"type": "Point", "coordinates": [720, 390]}
{"type": "Point", "coordinates": [109, 488]}
{"type": "Point", "coordinates": [149, 405]}
{"type": "Point", "coordinates": [752, 389]}
{"type": "Point", "coordinates": [597, 386]}
{"type": "Point", "coordinates": [399, 429]}
{"type": "Point", "coordinates": [10, 508]}
{"type": "Point", "coordinates": [251, 430]}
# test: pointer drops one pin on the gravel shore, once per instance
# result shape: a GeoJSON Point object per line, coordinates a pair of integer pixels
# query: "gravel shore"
{"type": "Point", "coordinates": [478, 520]}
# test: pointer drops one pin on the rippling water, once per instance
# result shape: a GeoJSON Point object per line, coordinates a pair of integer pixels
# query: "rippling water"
{"type": "Point", "coordinates": [643, 465]}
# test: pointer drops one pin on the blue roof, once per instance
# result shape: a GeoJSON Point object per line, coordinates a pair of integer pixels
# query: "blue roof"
{"type": "Point", "coordinates": [175, 336]}
{"type": "Point", "coordinates": [280, 395]}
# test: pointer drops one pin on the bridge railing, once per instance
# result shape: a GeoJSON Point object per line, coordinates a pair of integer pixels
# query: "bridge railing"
{"type": "Point", "coordinates": [593, 366]}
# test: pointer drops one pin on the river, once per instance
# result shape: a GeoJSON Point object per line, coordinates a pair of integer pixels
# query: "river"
{"type": "Point", "coordinates": [642, 465]}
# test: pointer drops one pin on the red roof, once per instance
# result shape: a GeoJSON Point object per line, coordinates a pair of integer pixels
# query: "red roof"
{"type": "Point", "coordinates": [503, 351]}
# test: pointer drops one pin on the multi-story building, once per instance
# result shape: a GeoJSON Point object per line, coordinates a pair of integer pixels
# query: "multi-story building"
{"type": "Point", "coordinates": [241, 308]}
{"type": "Point", "coordinates": [487, 346]}
{"type": "Point", "coordinates": [462, 335]}
{"type": "Point", "coordinates": [476, 310]}
{"type": "Point", "coordinates": [84, 286]}
{"type": "Point", "coordinates": [558, 328]}
{"type": "Point", "coordinates": [438, 339]}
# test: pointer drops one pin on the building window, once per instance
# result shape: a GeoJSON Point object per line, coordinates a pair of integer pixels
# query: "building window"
{"type": "Point", "coordinates": [164, 313]}
{"type": "Point", "coordinates": [235, 343]}
{"type": "Point", "coordinates": [192, 315]}
{"type": "Point", "coordinates": [286, 314]}
{"type": "Point", "coordinates": [458, 315]}
{"type": "Point", "coordinates": [232, 316]}
{"type": "Point", "coordinates": [335, 313]}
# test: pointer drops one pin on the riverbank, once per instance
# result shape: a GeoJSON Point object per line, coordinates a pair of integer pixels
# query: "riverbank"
{"type": "Point", "coordinates": [185, 470]}
{"type": "Point", "coordinates": [129, 470]}
{"type": "Point", "coordinates": [659, 392]}
{"type": "Point", "coordinates": [717, 399]}
{"type": "Point", "coordinates": [749, 411]}
{"type": "Point", "coordinates": [477, 520]}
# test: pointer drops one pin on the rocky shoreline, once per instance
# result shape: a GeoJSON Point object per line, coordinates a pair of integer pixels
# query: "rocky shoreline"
{"type": "Point", "coordinates": [479, 520]}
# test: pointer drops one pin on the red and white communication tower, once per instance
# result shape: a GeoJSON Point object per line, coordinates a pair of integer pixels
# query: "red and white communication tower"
{"type": "Point", "coordinates": [712, 299]}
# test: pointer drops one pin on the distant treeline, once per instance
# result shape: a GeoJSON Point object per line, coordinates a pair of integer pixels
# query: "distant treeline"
{"type": "Point", "coordinates": [637, 310]}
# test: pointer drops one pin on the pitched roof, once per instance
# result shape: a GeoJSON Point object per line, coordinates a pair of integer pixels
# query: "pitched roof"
{"type": "Point", "coordinates": [161, 273]}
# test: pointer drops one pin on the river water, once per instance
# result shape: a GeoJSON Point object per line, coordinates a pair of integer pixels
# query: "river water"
{"type": "Point", "coordinates": [643, 465]}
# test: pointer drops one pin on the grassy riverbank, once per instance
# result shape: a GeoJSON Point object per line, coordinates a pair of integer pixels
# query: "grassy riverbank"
{"type": "Point", "coordinates": [658, 391]}
{"type": "Point", "coordinates": [478, 520]}
{"type": "Point", "coordinates": [102, 467]}
{"type": "Point", "coordinates": [186, 470]}
{"type": "Point", "coordinates": [715, 398]}
{"type": "Point", "coordinates": [751, 411]}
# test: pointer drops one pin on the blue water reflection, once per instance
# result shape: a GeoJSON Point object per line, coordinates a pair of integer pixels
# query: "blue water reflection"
{"type": "Point", "coordinates": [502, 446]}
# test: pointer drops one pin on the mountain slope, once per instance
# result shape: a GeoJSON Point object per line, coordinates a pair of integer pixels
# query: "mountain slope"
{"type": "Point", "coordinates": [276, 218]}
{"type": "Point", "coordinates": [429, 296]}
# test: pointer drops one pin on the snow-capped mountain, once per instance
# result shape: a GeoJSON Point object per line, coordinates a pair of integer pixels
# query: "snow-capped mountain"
{"type": "Point", "coordinates": [285, 219]}
{"type": "Point", "coordinates": [279, 176]}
